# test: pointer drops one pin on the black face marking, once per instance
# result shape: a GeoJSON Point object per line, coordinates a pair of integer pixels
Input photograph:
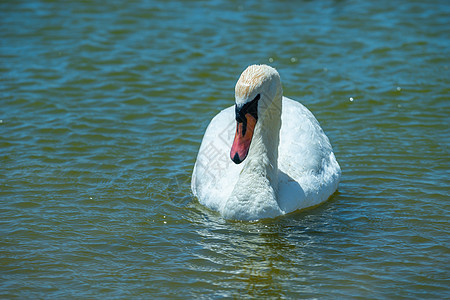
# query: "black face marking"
{"type": "Point", "coordinates": [248, 108]}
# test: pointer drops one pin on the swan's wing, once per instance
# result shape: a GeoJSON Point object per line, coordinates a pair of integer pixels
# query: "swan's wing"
{"type": "Point", "coordinates": [214, 173]}
{"type": "Point", "coordinates": [309, 172]}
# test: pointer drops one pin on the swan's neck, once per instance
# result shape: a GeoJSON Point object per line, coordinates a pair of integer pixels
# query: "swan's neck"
{"type": "Point", "coordinates": [256, 188]}
{"type": "Point", "coordinates": [262, 160]}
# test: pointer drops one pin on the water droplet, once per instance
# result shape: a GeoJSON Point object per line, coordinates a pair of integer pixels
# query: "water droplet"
{"type": "Point", "coordinates": [270, 59]}
{"type": "Point", "coordinates": [399, 88]}
{"type": "Point", "coordinates": [351, 99]}
{"type": "Point", "coordinates": [293, 59]}
{"type": "Point", "coordinates": [165, 222]}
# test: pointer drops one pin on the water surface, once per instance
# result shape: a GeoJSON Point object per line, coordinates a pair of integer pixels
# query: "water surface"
{"type": "Point", "coordinates": [104, 105]}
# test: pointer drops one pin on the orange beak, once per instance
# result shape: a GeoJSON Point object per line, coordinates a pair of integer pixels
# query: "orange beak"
{"type": "Point", "coordinates": [242, 139]}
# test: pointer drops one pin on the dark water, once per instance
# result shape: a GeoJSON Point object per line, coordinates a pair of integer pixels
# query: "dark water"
{"type": "Point", "coordinates": [103, 107]}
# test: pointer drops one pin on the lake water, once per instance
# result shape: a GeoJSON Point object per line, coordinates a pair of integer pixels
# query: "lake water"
{"type": "Point", "coordinates": [103, 107]}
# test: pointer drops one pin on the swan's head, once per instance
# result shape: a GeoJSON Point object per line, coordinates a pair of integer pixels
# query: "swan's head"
{"type": "Point", "coordinates": [256, 91]}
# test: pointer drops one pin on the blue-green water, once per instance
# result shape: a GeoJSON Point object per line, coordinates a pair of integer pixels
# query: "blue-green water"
{"type": "Point", "coordinates": [103, 107]}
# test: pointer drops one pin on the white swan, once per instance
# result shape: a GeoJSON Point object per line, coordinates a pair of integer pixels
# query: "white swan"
{"type": "Point", "coordinates": [279, 160]}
